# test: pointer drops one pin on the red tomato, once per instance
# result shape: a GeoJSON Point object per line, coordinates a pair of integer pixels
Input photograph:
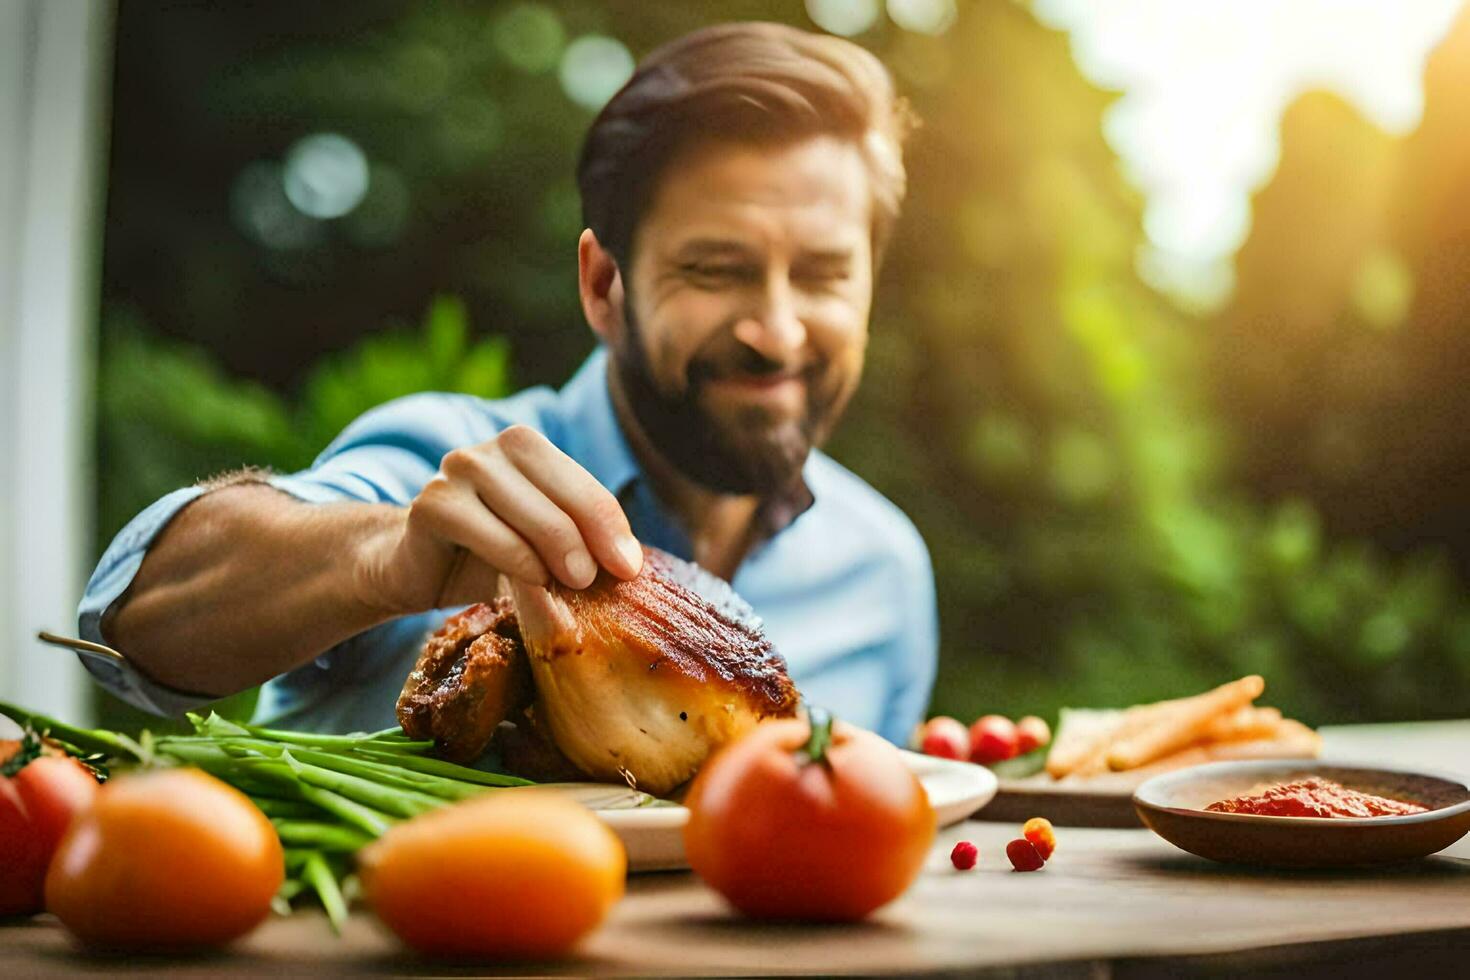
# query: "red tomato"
{"type": "Point", "coordinates": [167, 859]}
{"type": "Point", "coordinates": [993, 739]}
{"type": "Point", "coordinates": [787, 829]}
{"type": "Point", "coordinates": [945, 737]}
{"type": "Point", "coordinates": [37, 804]}
{"type": "Point", "coordinates": [1033, 733]}
{"type": "Point", "coordinates": [56, 788]}
{"type": "Point", "coordinates": [22, 859]}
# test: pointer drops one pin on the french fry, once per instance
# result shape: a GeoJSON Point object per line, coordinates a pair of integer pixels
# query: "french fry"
{"type": "Point", "coordinates": [1293, 740]}
{"type": "Point", "coordinates": [1183, 723]}
{"type": "Point", "coordinates": [1243, 724]}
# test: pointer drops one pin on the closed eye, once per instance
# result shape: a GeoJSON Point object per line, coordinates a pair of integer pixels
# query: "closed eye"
{"type": "Point", "coordinates": [823, 274]}
{"type": "Point", "coordinates": [723, 272]}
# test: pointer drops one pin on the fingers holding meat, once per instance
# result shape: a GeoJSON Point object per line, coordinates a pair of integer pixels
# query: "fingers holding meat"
{"type": "Point", "coordinates": [523, 506]}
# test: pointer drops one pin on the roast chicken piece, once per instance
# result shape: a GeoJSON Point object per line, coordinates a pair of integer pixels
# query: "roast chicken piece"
{"type": "Point", "coordinates": [641, 680]}
{"type": "Point", "coordinates": [471, 676]}
{"type": "Point", "coordinates": [634, 681]}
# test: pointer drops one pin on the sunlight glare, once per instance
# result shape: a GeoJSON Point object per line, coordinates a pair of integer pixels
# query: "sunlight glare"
{"type": "Point", "coordinates": [1205, 85]}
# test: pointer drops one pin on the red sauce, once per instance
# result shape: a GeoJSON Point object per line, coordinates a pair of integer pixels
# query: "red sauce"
{"type": "Point", "coordinates": [1314, 797]}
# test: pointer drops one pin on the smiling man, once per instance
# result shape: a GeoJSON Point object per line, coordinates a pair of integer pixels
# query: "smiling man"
{"type": "Point", "coordinates": [737, 193]}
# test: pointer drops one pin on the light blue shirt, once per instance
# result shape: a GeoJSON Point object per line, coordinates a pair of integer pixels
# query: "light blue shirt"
{"type": "Point", "coordinates": [845, 590]}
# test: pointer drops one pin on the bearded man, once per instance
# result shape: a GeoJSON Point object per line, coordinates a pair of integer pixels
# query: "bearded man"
{"type": "Point", "coordinates": [737, 195]}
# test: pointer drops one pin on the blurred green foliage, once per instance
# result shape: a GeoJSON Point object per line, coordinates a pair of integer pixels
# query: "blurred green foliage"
{"type": "Point", "coordinates": [1065, 441]}
{"type": "Point", "coordinates": [168, 417]}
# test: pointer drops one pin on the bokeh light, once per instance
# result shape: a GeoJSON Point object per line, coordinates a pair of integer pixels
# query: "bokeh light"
{"type": "Point", "coordinates": [593, 68]}
{"type": "Point", "coordinates": [845, 18]}
{"type": "Point", "coordinates": [326, 175]}
{"type": "Point", "coordinates": [923, 16]}
{"type": "Point", "coordinates": [529, 36]}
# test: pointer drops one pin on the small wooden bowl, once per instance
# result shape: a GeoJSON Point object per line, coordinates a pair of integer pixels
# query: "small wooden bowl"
{"type": "Point", "coordinates": [1173, 806]}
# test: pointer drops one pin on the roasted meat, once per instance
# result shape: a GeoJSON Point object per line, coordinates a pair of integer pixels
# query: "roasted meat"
{"type": "Point", "coordinates": [642, 680]}
{"type": "Point", "coordinates": [633, 681]}
{"type": "Point", "coordinates": [471, 676]}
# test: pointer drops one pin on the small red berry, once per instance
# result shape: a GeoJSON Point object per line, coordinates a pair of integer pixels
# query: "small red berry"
{"type": "Point", "coordinates": [964, 855]}
{"type": "Point", "coordinates": [1024, 855]}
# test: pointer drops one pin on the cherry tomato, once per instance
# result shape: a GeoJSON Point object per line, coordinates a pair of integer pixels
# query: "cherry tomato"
{"type": "Point", "coordinates": [1024, 856]}
{"type": "Point", "coordinates": [37, 804]}
{"type": "Point", "coordinates": [993, 739]}
{"type": "Point", "coordinates": [517, 873]}
{"type": "Point", "coordinates": [165, 860]}
{"type": "Point", "coordinates": [810, 822]}
{"type": "Point", "coordinates": [1032, 733]}
{"type": "Point", "coordinates": [945, 737]}
{"type": "Point", "coordinates": [1039, 831]}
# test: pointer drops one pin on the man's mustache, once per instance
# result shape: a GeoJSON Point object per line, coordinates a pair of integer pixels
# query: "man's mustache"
{"type": "Point", "coordinates": [746, 363]}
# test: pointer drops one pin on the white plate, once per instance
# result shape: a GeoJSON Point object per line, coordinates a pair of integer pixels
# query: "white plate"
{"type": "Point", "coordinates": [652, 830]}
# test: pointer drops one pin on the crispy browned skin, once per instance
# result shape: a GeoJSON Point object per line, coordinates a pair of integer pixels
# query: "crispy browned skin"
{"type": "Point", "coordinates": [471, 676]}
{"type": "Point", "coordinates": [641, 680]}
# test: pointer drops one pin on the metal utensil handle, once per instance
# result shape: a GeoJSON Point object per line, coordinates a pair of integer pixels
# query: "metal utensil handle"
{"type": "Point", "coordinates": [81, 646]}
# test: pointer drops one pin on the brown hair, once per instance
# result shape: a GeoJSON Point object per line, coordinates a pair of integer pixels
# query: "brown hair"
{"type": "Point", "coordinates": [744, 81]}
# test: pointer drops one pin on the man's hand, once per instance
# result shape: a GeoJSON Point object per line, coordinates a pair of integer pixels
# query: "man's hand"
{"type": "Point", "coordinates": [515, 505]}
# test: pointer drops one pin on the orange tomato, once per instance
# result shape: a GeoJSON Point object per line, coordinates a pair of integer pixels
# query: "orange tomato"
{"type": "Point", "coordinates": [518, 873]}
{"type": "Point", "coordinates": [785, 836]}
{"type": "Point", "coordinates": [165, 860]}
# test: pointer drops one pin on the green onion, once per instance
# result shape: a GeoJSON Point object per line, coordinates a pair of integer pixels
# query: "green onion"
{"type": "Point", "coordinates": [364, 818]}
{"type": "Point", "coordinates": [318, 874]}
{"type": "Point", "coordinates": [448, 770]}
{"type": "Point", "coordinates": [398, 802]}
{"type": "Point", "coordinates": [324, 836]}
{"type": "Point", "coordinates": [100, 740]}
{"type": "Point", "coordinates": [286, 809]}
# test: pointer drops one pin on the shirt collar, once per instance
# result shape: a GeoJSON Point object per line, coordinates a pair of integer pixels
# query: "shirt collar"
{"type": "Point", "coordinates": [595, 439]}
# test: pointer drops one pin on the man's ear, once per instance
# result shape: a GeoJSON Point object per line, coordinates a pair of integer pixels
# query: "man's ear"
{"type": "Point", "coordinates": [600, 284]}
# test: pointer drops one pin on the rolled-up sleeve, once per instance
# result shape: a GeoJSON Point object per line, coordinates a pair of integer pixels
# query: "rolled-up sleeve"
{"type": "Point", "coordinates": [115, 573]}
{"type": "Point", "coordinates": [386, 456]}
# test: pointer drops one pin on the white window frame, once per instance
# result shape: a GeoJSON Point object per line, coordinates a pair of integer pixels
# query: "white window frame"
{"type": "Point", "coordinates": [55, 81]}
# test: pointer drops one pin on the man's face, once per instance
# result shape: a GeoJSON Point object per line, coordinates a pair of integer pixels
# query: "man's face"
{"type": "Point", "coordinates": [747, 308]}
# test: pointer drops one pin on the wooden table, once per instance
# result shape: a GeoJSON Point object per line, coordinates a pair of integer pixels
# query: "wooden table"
{"type": "Point", "coordinates": [1111, 903]}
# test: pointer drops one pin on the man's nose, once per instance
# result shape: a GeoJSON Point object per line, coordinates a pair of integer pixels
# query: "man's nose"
{"type": "Point", "coordinates": [775, 330]}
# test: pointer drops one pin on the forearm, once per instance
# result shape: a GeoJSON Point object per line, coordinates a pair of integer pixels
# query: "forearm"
{"type": "Point", "coordinates": [247, 583]}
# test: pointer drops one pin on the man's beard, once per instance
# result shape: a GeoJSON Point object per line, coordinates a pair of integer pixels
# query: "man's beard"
{"type": "Point", "coordinates": [756, 452]}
